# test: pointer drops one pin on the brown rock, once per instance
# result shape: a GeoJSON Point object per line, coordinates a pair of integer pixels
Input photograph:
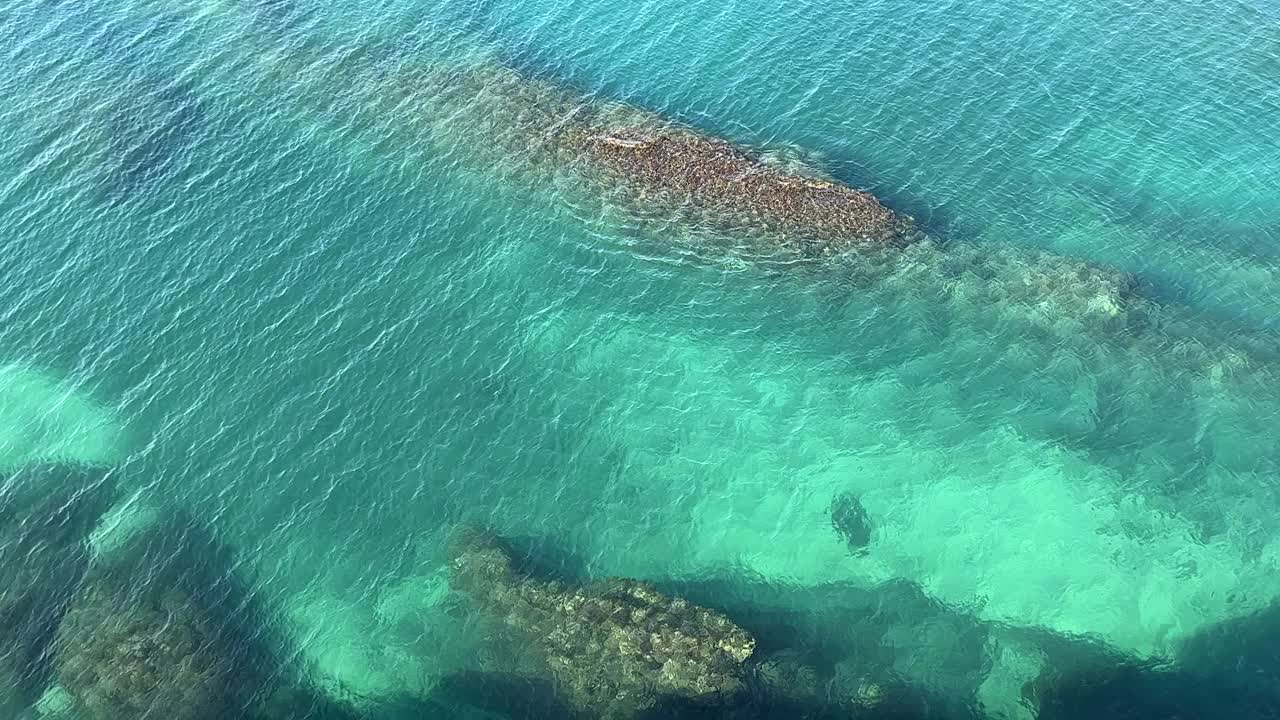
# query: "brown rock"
{"type": "Point", "coordinates": [615, 648]}
{"type": "Point", "coordinates": [678, 166]}
{"type": "Point", "coordinates": [164, 628]}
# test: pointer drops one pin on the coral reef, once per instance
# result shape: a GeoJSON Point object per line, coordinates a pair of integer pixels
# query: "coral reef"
{"type": "Point", "coordinates": [165, 626]}
{"type": "Point", "coordinates": [616, 648]}
{"type": "Point", "coordinates": [46, 515]}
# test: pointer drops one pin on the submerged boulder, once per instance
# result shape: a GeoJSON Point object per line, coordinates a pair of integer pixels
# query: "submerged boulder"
{"type": "Point", "coordinates": [653, 167]}
{"type": "Point", "coordinates": [616, 648]}
{"type": "Point", "coordinates": [46, 515]}
{"type": "Point", "coordinates": [851, 521]}
{"type": "Point", "coordinates": [678, 166]}
{"type": "Point", "coordinates": [163, 630]}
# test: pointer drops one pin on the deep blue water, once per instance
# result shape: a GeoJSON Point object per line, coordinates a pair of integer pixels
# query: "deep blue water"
{"type": "Point", "coordinates": [284, 267]}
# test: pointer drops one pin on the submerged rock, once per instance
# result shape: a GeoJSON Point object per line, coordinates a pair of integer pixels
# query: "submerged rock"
{"type": "Point", "coordinates": [46, 515]}
{"type": "Point", "coordinates": [616, 648]}
{"type": "Point", "coordinates": [151, 132]}
{"type": "Point", "coordinates": [788, 675]}
{"type": "Point", "coordinates": [165, 627]}
{"type": "Point", "coordinates": [850, 519]}
{"type": "Point", "coordinates": [676, 166]}
{"type": "Point", "coordinates": [649, 165]}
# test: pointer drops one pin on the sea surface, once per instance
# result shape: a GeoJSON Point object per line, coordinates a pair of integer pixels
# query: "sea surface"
{"type": "Point", "coordinates": [281, 270]}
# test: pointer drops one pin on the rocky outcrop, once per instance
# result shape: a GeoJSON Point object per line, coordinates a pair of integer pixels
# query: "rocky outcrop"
{"type": "Point", "coordinates": [119, 662]}
{"type": "Point", "coordinates": [650, 165]}
{"type": "Point", "coordinates": [677, 166]}
{"type": "Point", "coordinates": [616, 648]}
{"type": "Point", "coordinates": [164, 627]}
{"type": "Point", "coordinates": [46, 515]}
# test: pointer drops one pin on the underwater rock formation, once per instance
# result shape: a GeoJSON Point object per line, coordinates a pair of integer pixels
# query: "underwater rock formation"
{"type": "Point", "coordinates": [616, 648]}
{"type": "Point", "coordinates": [719, 193]}
{"type": "Point", "coordinates": [477, 109]}
{"type": "Point", "coordinates": [46, 515]}
{"type": "Point", "coordinates": [549, 136]}
{"type": "Point", "coordinates": [150, 132]}
{"type": "Point", "coordinates": [164, 627]}
{"type": "Point", "coordinates": [789, 677]}
{"type": "Point", "coordinates": [851, 521]}
{"type": "Point", "coordinates": [674, 165]}
{"type": "Point", "coordinates": [787, 673]}
{"type": "Point", "coordinates": [788, 685]}
{"type": "Point", "coordinates": [652, 165]}
{"type": "Point", "coordinates": [706, 192]}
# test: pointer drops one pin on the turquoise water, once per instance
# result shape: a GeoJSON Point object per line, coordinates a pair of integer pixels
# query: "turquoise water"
{"type": "Point", "coordinates": [285, 267]}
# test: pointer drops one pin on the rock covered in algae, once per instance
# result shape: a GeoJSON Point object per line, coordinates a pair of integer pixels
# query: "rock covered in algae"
{"type": "Point", "coordinates": [163, 630]}
{"type": "Point", "coordinates": [46, 515]}
{"type": "Point", "coordinates": [674, 165]}
{"type": "Point", "coordinates": [658, 165]}
{"type": "Point", "coordinates": [616, 648]}
{"type": "Point", "coordinates": [790, 676]}
{"type": "Point", "coordinates": [649, 165]}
